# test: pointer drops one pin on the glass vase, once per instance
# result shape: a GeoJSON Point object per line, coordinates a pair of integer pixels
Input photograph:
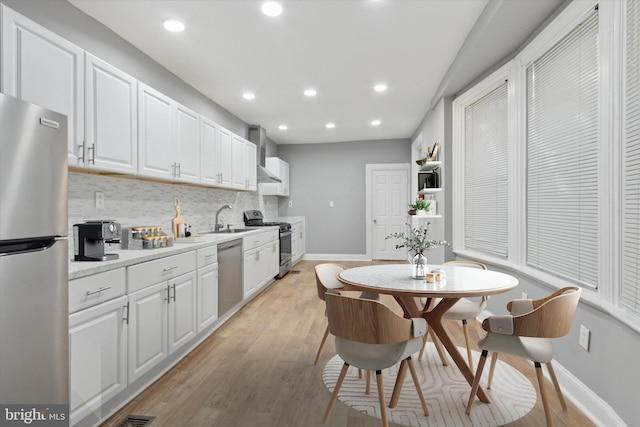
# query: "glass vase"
{"type": "Point", "coordinates": [419, 266]}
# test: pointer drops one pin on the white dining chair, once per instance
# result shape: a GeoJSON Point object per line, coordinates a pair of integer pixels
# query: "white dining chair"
{"type": "Point", "coordinates": [526, 333]}
{"type": "Point", "coordinates": [369, 335]}
{"type": "Point", "coordinates": [463, 310]}
{"type": "Point", "coordinates": [327, 278]}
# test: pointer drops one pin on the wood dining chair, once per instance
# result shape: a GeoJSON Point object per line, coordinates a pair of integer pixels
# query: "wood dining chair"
{"type": "Point", "coordinates": [369, 335]}
{"type": "Point", "coordinates": [463, 310]}
{"type": "Point", "coordinates": [326, 278]}
{"type": "Point", "coordinates": [526, 333]}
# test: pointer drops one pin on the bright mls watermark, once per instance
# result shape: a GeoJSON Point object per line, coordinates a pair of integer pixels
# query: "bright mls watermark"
{"type": "Point", "coordinates": [34, 415]}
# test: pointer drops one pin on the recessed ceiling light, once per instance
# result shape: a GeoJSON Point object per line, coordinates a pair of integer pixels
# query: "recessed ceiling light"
{"type": "Point", "coordinates": [283, 127]}
{"type": "Point", "coordinates": [249, 95]}
{"type": "Point", "coordinates": [310, 92]}
{"type": "Point", "coordinates": [380, 88]}
{"type": "Point", "coordinates": [271, 8]}
{"type": "Point", "coordinates": [173, 25]}
{"type": "Point", "coordinates": [330, 125]}
{"type": "Point", "coordinates": [376, 123]}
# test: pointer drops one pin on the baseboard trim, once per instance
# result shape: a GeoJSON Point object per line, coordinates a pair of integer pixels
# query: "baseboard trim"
{"type": "Point", "coordinates": [335, 257]}
{"type": "Point", "coordinates": [589, 403]}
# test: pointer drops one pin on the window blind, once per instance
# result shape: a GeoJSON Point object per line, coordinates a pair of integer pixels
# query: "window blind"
{"type": "Point", "coordinates": [562, 157]}
{"type": "Point", "coordinates": [485, 173]}
{"type": "Point", "coordinates": [630, 295]}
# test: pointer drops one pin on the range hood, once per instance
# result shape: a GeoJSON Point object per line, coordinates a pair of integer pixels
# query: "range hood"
{"type": "Point", "coordinates": [258, 135]}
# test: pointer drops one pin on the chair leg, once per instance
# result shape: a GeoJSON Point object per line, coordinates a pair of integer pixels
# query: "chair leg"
{"type": "Point", "coordinates": [334, 395]}
{"type": "Point", "coordinates": [402, 371]}
{"type": "Point", "coordinates": [416, 382]}
{"type": "Point", "coordinates": [476, 380]}
{"type": "Point", "coordinates": [556, 384]}
{"type": "Point", "coordinates": [467, 341]}
{"type": "Point", "coordinates": [543, 393]}
{"type": "Point", "coordinates": [383, 404]}
{"type": "Point", "coordinates": [359, 373]}
{"type": "Point", "coordinates": [438, 345]}
{"type": "Point", "coordinates": [494, 359]}
{"type": "Point", "coordinates": [425, 338]}
{"type": "Point", "coordinates": [324, 338]}
{"type": "Point", "coordinates": [367, 386]}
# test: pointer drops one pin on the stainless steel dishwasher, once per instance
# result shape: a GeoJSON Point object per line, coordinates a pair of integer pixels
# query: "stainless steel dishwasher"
{"type": "Point", "coordinates": [229, 275]}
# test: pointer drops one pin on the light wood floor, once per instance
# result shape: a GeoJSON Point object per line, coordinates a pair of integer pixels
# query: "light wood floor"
{"type": "Point", "coordinates": [257, 370]}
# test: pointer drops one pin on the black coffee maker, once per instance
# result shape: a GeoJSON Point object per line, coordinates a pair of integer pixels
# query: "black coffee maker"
{"type": "Point", "coordinates": [90, 237]}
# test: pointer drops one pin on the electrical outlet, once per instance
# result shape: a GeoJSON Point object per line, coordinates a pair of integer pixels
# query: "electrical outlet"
{"type": "Point", "coordinates": [99, 200]}
{"type": "Point", "coordinates": [585, 335]}
{"type": "Point", "coordinates": [290, 204]}
{"type": "Point", "coordinates": [525, 296]}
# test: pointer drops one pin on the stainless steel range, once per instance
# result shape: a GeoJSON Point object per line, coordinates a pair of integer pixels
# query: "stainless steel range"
{"type": "Point", "coordinates": [254, 218]}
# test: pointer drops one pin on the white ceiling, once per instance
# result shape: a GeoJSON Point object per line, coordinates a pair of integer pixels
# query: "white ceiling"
{"type": "Point", "coordinates": [422, 49]}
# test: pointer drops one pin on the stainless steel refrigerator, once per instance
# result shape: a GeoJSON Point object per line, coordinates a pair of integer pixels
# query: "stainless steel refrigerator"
{"type": "Point", "coordinates": [34, 361]}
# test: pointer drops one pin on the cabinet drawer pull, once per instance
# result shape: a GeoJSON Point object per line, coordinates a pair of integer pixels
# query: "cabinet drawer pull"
{"type": "Point", "coordinates": [92, 159]}
{"type": "Point", "coordinates": [209, 255]}
{"type": "Point", "coordinates": [168, 269]}
{"type": "Point", "coordinates": [126, 308]}
{"type": "Point", "coordinates": [97, 291]}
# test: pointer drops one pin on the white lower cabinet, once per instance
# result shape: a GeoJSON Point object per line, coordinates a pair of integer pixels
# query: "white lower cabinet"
{"type": "Point", "coordinates": [98, 357]}
{"type": "Point", "coordinates": [298, 242]}
{"type": "Point", "coordinates": [207, 311]}
{"type": "Point", "coordinates": [261, 262]}
{"type": "Point", "coordinates": [182, 310]}
{"type": "Point", "coordinates": [161, 319]}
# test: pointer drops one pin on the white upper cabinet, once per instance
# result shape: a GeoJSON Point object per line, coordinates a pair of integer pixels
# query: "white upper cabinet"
{"type": "Point", "coordinates": [216, 144]}
{"type": "Point", "coordinates": [111, 118]}
{"type": "Point", "coordinates": [209, 146]}
{"type": "Point", "coordinates": [41, 67]}
{"type": "Point", "coordinates": [239, 176]}
{"type": "Point", "coordinates": [224, 163]}
{"type": "Point", "coordinates": [168, 137]}
{"type": "Point", "coordinates": [280, 168]}
{"type": "Point", "coordinates": [252, 166]}
{"type": "Point", "coordinates": [155, 134]}
{"type": "Point", "coordinates": [187, 144]}
{"type": "Point", "coordinates": [244, 163]}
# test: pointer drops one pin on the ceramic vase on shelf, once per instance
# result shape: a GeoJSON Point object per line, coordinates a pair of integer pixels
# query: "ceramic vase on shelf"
{"type": "Point", "coordinates": [418, 266]}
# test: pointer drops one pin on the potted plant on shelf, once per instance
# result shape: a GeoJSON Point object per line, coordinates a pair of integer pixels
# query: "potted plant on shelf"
{"type": "Point", "coordinates": [416, 242]}
{"type": "Point", "coordinates": [420, 207]}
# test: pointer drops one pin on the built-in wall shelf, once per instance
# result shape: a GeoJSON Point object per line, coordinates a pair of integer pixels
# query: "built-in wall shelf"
{"type": "Point", "coordinates": [429, 166]}
{"type": "Point", "coordinates": [427, 190]}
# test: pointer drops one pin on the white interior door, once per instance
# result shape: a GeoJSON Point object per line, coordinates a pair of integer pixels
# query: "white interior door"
{"type": "Point", "coordinates": [387, 208]}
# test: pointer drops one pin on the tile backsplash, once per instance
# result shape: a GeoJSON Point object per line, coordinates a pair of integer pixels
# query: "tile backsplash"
{"type": "Point", "coordinates": [132, 202]}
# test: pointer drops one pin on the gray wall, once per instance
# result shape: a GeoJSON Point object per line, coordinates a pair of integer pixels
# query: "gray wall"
{"type": "Point", "coordinates": [323, 172]}
{"type": "Point", "coordinates": [69, 22]}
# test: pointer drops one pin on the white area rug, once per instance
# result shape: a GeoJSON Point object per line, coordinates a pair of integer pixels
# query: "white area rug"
{"type": "Point", "coordinates": [445, 390]}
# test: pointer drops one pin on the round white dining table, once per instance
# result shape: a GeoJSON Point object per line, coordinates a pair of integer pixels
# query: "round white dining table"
{"type": "Point", "coordinates": [458, 282]}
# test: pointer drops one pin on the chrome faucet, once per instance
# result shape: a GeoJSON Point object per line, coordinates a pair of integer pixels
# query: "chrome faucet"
{"type": "Point", "coordinates": [219, 225]}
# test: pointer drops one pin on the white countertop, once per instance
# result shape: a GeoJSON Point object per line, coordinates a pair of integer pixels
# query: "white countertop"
{"type": "Point", "coordinates": [129, 257]}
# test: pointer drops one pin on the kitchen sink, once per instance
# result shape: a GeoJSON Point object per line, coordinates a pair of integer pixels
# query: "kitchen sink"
{"type": "Point", "coordinates": [227, 231]}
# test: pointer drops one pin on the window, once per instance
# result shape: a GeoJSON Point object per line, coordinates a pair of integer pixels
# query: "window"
{"type": "Point", "coordinates": [630, 294]}
{"type": "Point", "coordinates": [572, 210]}
{"type": "Point", "coordinates": [485, 173]}
{"type": "Point", "coordinates": [562, 158]}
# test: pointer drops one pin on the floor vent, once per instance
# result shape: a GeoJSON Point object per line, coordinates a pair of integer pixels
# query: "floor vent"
{"type": "Point", "coordinates": [136, 421]}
